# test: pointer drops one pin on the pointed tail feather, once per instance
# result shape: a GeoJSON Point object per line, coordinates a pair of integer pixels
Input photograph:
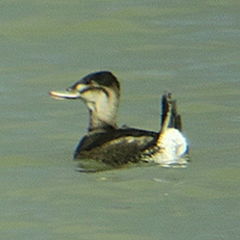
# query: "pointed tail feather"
{"type": "Point", "coordinates": [175, 118]}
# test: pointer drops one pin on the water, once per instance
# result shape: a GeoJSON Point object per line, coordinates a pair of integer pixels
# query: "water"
{"type": "Point", "coordinates": [189, 48]}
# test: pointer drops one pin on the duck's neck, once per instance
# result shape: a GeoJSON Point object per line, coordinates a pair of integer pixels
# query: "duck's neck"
{"type": "Point", "coordinates": [103, 112]}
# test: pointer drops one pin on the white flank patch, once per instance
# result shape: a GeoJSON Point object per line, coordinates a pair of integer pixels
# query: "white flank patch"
{"type": "Point", "coordinates": [173, 145]}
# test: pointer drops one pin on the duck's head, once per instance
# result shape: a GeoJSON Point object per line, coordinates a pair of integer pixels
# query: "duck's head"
{"type": "Point", "coordinates": [101, 93]}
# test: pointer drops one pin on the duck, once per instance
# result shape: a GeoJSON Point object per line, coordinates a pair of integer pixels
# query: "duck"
{"type": "Point", "coordinates": [107, 146]}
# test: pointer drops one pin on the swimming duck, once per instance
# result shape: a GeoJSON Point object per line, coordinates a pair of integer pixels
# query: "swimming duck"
{"type": "Point", "coordinates": [107, 146]}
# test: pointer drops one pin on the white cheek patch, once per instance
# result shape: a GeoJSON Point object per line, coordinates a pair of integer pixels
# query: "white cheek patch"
{"type": "Point", "coordinates": [96, 96]}
{"type": "Point", "coordinates": [96, 100]}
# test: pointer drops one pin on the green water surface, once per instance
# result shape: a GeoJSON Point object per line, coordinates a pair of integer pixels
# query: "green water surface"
{"type": "Point", "coordinates": [190, 48]}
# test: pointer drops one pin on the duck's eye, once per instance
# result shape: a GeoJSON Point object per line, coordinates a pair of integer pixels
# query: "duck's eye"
{"type": "Point", "coordinates": [87, 81]}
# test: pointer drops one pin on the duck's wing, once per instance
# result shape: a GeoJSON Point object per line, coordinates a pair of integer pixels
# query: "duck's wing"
{"type": "Point", "coordinates": [109, 150]}
{"type": "Point", "coordinates": [99, 139]}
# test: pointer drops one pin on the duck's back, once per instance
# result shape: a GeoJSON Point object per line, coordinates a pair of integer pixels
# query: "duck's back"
{"type": "Point", "coordinates": [112, 148]}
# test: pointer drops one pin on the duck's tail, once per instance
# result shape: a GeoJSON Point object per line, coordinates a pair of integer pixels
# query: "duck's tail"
{"type": "Point", "coordinates": [169, 107]}
{"type": "Point", "coordinates": [170, 146]}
